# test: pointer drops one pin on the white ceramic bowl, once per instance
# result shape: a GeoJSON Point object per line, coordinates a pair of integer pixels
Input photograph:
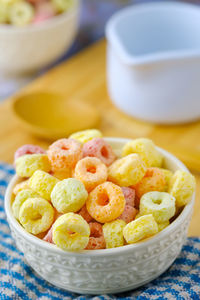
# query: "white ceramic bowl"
{"type": "Point", "coordinates": [153, 61]}
{"type": "Point", "coordinates": [34, 46]}
{"type": "Point", "coordinates": [107, 270]}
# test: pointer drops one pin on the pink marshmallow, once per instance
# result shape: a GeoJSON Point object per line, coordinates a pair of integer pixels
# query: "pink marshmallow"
{"type": "Point", "coordinates": [28, 149]}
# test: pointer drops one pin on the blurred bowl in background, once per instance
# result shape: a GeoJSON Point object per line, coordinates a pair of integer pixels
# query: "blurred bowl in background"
{"type": "Point", "coordinates": [27, 49]}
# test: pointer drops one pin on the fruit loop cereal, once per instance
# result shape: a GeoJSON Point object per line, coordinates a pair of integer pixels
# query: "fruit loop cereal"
{"type": "Point", "coordinates": [64, 154]}
{"type": "Point", "coordinates": [96, 240]}
{"type": "Point", "coordinates": [71, 232]}
{"type": "Point", "coordinates": [140, 229]}
{"type": "Point", "coordinates": [86, 135]}
{"type": "Point", "coordinates": [69, 195]}
{"type": "Point", "coordinates": [127, 171]}
{"type": "Point", "coordinates": [113, 233]}
{"type": "Point", "coordinates": [28, 149]}
{"type": "Point", "coordinates": [146, 149]}
{"type": "Point", "coordinates": [91, 171]}
{"type": "Point", "coordinates": [182, 186]}
{"type": "Point", "coordinates": [99, 148]}
{"type": "Point", "coordinates": [106, 202]}
{"type": "Point", "coordinates": [27, 164]}
{"type": "Point", "coordinates": [129, 195]}
{"type": "Point", "coordinates": [36, 215]}
{"type": "Point", "coordinates": [24, 12]}
{"type": "Point", "coordinates": [81, 196]}
{"type": "Point", "coordinates": [161, 205]}
{"type": "Point", "coordinates": [21, 186]}
{"type": "Point", "coordinates": [43, 183]}
{"type": "Point", "coordinates": [153, 180]}
{"type": "Point", "coordinates": [21, 197]}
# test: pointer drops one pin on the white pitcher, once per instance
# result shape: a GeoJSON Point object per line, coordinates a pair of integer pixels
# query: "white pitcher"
{"type": "Point", "coordinates": [153, 61]}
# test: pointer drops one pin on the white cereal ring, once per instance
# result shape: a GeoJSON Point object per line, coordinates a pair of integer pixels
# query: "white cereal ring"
{"type": "Point", "coordinates": [27, 164]}
{"type": "Point", "coordinates": [36, 215]}
{"type": "Point", "coordinates": [182, 187]}
{"type": "Point", "coordinates": [113, 233]}
{"type": "Point", "coordinates": [139, 229]}
{"type": "Point", "coordinates": [71, 232]}
{"type": "Point", "coordinates": [43, 183]}
{"type": "Point", "coordinates": [160, 204]}
{"type": "Point", "coordinates": [21, 197]}
{"type": "Point", "coordinates": [146, 149]}
{"type": "Point", "coordinates": [69, 195]}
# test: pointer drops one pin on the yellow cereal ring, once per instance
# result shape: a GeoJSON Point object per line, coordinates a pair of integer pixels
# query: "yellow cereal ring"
{"type": "Point", "coordinates": [4, 9]}
{"type": "Point", "coordinates": [153, 180]}
{"type": "Point", "coordinates": [36, 215]}
{"type": "Point", "coordinates": [86, 135]}
{"type": "Point", "coordinates": [106, 202]}
{"type": "Point", "coordinates": [21, 197]}
{"type": "Point", "coordinates": [113, 233]}
{"type": "Point", "coordinates": [91, 171]}
{"type": "Point", "coordinates": [21, 13]}
{"type": "Point", "coordinates": [160, 204]}
{"type": "Point", "coordinates": [27, 164]}
{"type": "Point", "coordinates": [146, 149]}
{"type": "Point", "coordinates": [69, 195]}
{"type": "Point", "coordinates": [140, 229]}
{"type": "Point", "coordinates": [163, 225]}
{"type": "Point", "coordinates": [168, 176]}
{"type": "Point", "coordinates": [21, 186]}
{"type": "Point", "coordinates": [127, 171]}
{"type": "Point", "coordinates": [182, 187]}
{"type": "Point", "coordinates": [71, 232]}
{"type": "Point", "coordinates": [43, 183]}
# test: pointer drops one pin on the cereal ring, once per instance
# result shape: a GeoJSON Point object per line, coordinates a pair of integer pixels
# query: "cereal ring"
{"type": "Point", "coordinates": [86, 135]}
{"type": "Point", "coordinates": [96, 240]}
{"type": "Point", "coordinates": [146, 149]}
{"type": "Point", "coordinates": [113, 233]}
{"type": "Point", "coordinates": [168, 176]}
{"type": "Point", "coordinates": [127, 171]}
{"type": "Point", "coordinates": [161, 205]}
{"type": "Point", "coordinates": [140, 229]}
{"type": "Point", "coordinates": [182, 187]}
{"type": "Point", "coordinates": [68, 195]}
{"type": "Point", "coordinates": [128, 214]}
{"type": "Point", "coordinates": [21, 13]}
{"type": "Point", "coordinates": [62, 174]}
{"type": "Point", "coordinates": [43, 183]}
{"type": "Point", "coordinates": [36, 215]}
{"type": "Point", "coordinates": [62, 5]}
{"type": "Point", "coordinates": [91, 171]}
{"type": "Point", "coordinates": [163, 225]}
{"type": "Point", "coordinates": [83, 212]}
{"type": "Point", "coordinates": [27, 164]}
{"type": "Point", "coordinates": [129, 195]}
{"type": "Point", "coordinates": [153, 180]}
{"type": "Point", "coordinates": [64, 154]}
{"type": "Point", "coordinates": [28, 149]}
{"type": "Point", "coordinates": [71, 232]}
{"type": "Point", "coordinates": [106, 202]}
{"type": "Point", "coordinates": [21, 186]}
{"type": "Point", "coordinates": [21, 197]}
{"type": "Point", "coordinates": [4, 9]}
{"type": "Point", "coordinates": [99, 148]}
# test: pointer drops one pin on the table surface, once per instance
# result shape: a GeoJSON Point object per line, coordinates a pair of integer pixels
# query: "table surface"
{"type": "Point", "coordinates": [83, 77]}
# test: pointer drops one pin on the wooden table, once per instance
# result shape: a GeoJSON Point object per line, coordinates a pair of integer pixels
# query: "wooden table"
{"type": "Point", "coordinates": [83, 77]}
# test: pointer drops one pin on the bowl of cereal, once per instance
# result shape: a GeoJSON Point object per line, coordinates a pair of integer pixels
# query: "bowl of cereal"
{"type": "Point", "coordinates": [34, 33]}
{"type": "Point", "coordinates": [99, 215]}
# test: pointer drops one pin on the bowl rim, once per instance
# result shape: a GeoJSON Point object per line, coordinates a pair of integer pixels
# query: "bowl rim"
{"type": "Point", "coordinates": [101, 252]}
{"type": "Point", "coordinates": [47, 24]}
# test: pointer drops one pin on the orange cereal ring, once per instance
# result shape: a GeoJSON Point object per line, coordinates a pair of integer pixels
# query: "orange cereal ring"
{"type": "Point", "coordinates": [106, 202]}
{"type": "Point", "coordinates": [153, 180]}
{"type": "Point", "coordinates": [85, 214]}
{"type": "Point", "coordinates": [64, 154]}
{"type": "Point", "coordinates": [96, 239]}
{"type": "Point", "coordinates": [128, 214]}
{"type": "Point", "coordinates": [91, 171]}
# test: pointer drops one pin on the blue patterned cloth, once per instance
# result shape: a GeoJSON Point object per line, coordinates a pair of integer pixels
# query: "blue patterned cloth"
{"type": "Point", "coordinates": [18, 281]}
